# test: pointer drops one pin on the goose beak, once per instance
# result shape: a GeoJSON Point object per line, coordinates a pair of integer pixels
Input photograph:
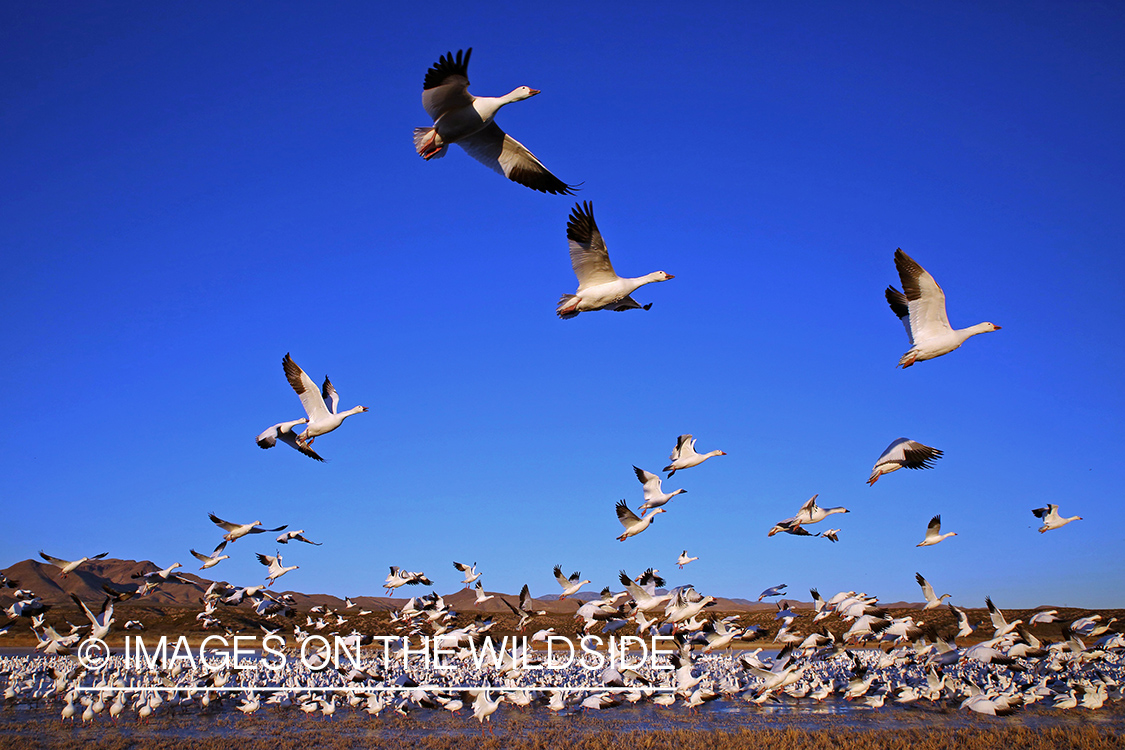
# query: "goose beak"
{"type": "Point", "coordinates": [534, 91]}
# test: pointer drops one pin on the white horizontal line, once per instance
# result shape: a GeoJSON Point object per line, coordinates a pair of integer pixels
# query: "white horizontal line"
{"type": "Point", "coordinates": [357, 689]}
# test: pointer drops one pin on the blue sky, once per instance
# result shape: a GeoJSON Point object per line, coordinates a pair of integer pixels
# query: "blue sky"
{"type": "Point", "coordinates": [193, 190]}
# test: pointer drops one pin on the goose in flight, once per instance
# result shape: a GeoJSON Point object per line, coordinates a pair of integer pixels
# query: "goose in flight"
{"type": "Point", "coordinates": [999, 622]}
{"type": "Point", "coordinates": [570, 586]}
{"type": "Point", "coordinates": [632, 524]}
{"type": "Point", "coordinates": [213, 559]}
{"type": "Point", "coordinates": [684, 559]}
{"type": "Point", "coordinates": [525, 611]}
{"type": "Point", "coordinates": [904, 452]}
{"type": "Point", "coordinates": [398, 577]}
{"type": "Point", "coordinates": [470, 572]}
{"type": "Point", "coordinates": [654, 496]}
{"type": "Point", "coordinates": [932, 599]}
{"type": "Point", "coordinates": [283, 431]}
{"type": "Point", "coordinates": [922, 310]}
{"type": "Point", "coordinates": [102, 622]}
{"type": "Point", "coordinates": [778, 590]}
{"type": "Point", "coordinates": [297, 536]}
{"type": "Point", "coordinates": [1051, 518]}
{"type": "Point", "coordinates": [68, 566]}
{"type": "Point", "coordinates": [236, 531]}
{"type": "Point", "coordinates": [599, 286]}
{"type": "Point", "coordinates": [481, 596]}
{"type": "Point", "coordinates": [276, 568]}
{"type": "Point", "coordinates": [320, 405]}
{"type": "Point", "coordinates": [809, 513]}
{"type": "Point", "coordinates": [933, 533]}
{"type": "Point", "coordinates": [467, 120]}
{"type": "Point", "coordinates": [831, 535]}
{"type": "Point", "coordinates": [159, 576]}
{"type": "Point", "coordinates": [685, 457]}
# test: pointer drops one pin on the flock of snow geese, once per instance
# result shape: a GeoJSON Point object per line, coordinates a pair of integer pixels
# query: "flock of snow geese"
{"type": "Point", "coordinates": [1009, 669]}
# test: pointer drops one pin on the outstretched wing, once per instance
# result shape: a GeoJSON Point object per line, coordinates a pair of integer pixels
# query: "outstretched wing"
{"type": "Point", "coordinates": [588, 254]}
{"type": "Point", "coordinates": [925, 298]}
{"type": "Point", "coordinates": [224, 525]}
{"type": "Point", "coordinates": [499, 151]}
{"type": "Point", "coordinates": [306, 389]}
{"type": "Point", "coordinates": [626, 516]}
{"type": "Point", "coordinates": [446, 84]}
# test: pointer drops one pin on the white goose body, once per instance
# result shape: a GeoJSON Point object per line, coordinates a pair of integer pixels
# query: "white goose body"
{"type": "Point", "coordinates": [922, 311]}
{"type": "Point", "coordinates": [1051, 518]}
{"type": "Point", "coordinates": [933, 533]}
{"type": "Point", "coordinates": [467, 120]}
{"type": "Point", "coordinates": [654, 496]}
{"type": "Point", "coordinates": [599, 286]}
{"type": "Point", "coordinates": [320, 405]}
{"type": "Point", "coordinates": [684, 455]}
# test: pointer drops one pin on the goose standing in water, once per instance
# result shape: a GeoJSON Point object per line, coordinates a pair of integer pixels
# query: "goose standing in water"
{"type": "Point", "coordinates": [933, 533]}
{"type": "Point", "coordinates": [684, 455]}
{"type": "Point", "coordinates": [903, 452]}
{"type": "Point", "coordinates": [632, 524]}
{"type": "Point", "coordinates": [283, 431]}
{"type": "Point", "coordinates": [467, 120]}
{"type": "Point", "coordinates": [922, 310]}
{"type": "Point", "coordinates": [654, 496]}
{"type": "Point", "coordinates": [1051, 518]}
{"type": "Point", "coordinates": [599, 286]}
{"type": "Point", "coordinates": [321, 405]}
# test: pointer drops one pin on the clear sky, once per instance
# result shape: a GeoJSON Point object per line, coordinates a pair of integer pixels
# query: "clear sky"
{"type": "Point", "coordinates": [191, 190]}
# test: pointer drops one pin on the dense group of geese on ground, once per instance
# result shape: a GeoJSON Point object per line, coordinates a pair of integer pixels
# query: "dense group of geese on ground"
{"type": "Point", "coordinates": [1010, 669]}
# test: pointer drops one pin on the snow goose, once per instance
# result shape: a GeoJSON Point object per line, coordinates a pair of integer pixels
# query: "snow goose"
{"type": "Point", "coordinates": [470, 572]}
{"type": "Point", "coordinates": [932, 599]}
{"type": "Point", "coordinates": [101, 623]}
{"type": "Point", "coordinates": [276, 568]}
{"type": "Point", "coordinates": [632, 524]}
{"type": "Point", "coordinates": [654, 496]}
{"type": "Point", "coordinates": [831, 535]}
{"type": "Point", "coordinates": [1051, 518]}
{"type": "Point", "coordinates": [283, 431]}
{"type": "Point", "coordinates": [933, 533]}
{"type": "Point", "coordinates": [809, 513]}
{"type": "Point", "coordinates": [644, 595]}
{"type": "Point", "coordinates": [398, 577]}
{"type": "Point", "coordinates": [999, 622]}
{"type": "Point", "coordinates": [773, 591]}
{"type": "Point", "coordinates": [467, 120]}
{"type": "Point", "coordinates": [570, 586]}
{"type": "Point", "coordinates": [236, 531]}
{"type": "Point", "coordinates": [599, 286]}
{"type": "Point", "coordinates": [903, 452]}
{"type": "Point", "coordinates": [297, 536]}
{"type": "Point", "coordinates": [320, 405]}
{"type": "Point", "coordinates": [684, 559]}
{"type": "Point", "coordinates": [213, 559]}
{"type": "Point", "coordinates": [684, 455]}
{"type": "Point", "coordinates": [922, 310]}
{"type": "Point", "coordinates": [481, 596]}
{"type": "Point", "coordinates": [68, 566]}
{"type": "Point", "coordinates": [525, 611]}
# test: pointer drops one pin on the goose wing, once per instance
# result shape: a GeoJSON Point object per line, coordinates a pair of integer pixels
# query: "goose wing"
{"type": "Point", "coordinates": [645, 477]}
{"type": "Point", "coordinates": [684, 447]}
{"type": "Point", "coordinates": [626, 516]}
{"type": "Point", "coordinates": [588, 254]}
{"type": "Point", "coordinates": [898, 302]}
{"type": "Point", "coordinates": [328, 393]}
{"type": "Point", "coordinates": [934, 527]}
{"type": "Point", "coordinates": [200, 556]}
{"type": "Point", "coordinates": [224, 525]}
{"type": "Point", "coordinates": [54, 560]}
{"type": "Point", "coordinates": [290, 439]}
{"type": "Point", "coordinates": [446, 85]}
{"type": "Point", "coordinates": [502, 153]}
{"type": "Point", "coordinates": [306, 390]}
{"type": "Point", "coordinates": [1038, 512]}
{"type": "Point", "coordinates": [925, 298]}
{"type": "Point", "coordinates": [560, 577]}
{"type": "Point", "coordinates": [927, 589]}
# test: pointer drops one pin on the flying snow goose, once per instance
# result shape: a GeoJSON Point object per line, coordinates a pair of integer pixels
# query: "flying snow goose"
{"type": "Point", "coordinates": [599, 286]}
{"type": "Point", "coordinates": [236, 531]}
{"type": "Point", "coordinates": [999, 622]}
{"type": "Point", "coordinates": [102, 622]}
{"type": "Point", "coordinates": [297, 536]}
{"type": "Point", "coordinates": [632, 524]}
{"type": "Point", "coordinates": [69, 566]}
{"type": "Point", "coordinates": [398, 577]}
{"type": "Point", "coordinates": [904, 452]}
{"type": "Point", "coordinates": [809, 513]}
{"type": "Point", "coordinates": [481, 596]}
{"type": "Point", "coordinates": [684, 559]}
{"type": "Point", "coordinates": [321, 405]}
{"type": "Point", "coordinates": [470, 572]}
{"type": "Point", "coordinates": [283, 431]}
{"type": "Point", "coordinates": [526, 609]}
{"type": "Point", "coordinates": [1051, 518]}
{"type": "Point", "coordinates": [213, 559]}
{"type": "Point", "coordinates": [932, 599]}
{"type": "Point", "coordinates": [922, 310]}
{"type": "Point", "coordinates": [276, 568]}
{"type": "Point", "coordinates": [570, 586]}
{"type": "Point", "coordinates": [467, 120]}
{"type": "Point", "coordinates": [933, 533]}
{"type": "Point", "coordinates": [831, 535]}
{"type": "Point", "coordinates": [773, 591]}
{"type": "Point", "coordinates": [654, 497]}
{"type": "Point", "coordinates": [685, 457]}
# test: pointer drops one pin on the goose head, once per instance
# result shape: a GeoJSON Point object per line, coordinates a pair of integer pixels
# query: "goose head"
{"type": "Point", "coordinates": [663, 276]}
{"type": "Point", "coordinates": [523, 92]}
